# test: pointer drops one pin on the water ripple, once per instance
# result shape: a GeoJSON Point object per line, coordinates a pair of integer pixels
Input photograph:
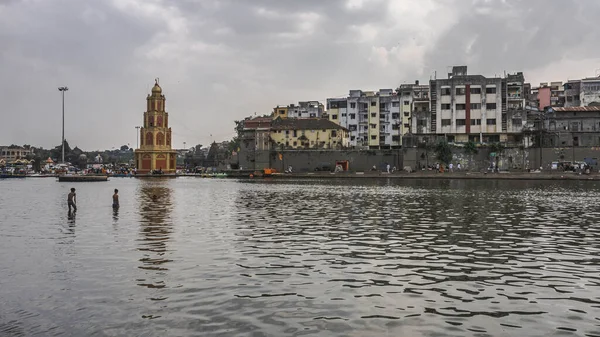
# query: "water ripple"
{"type": "Point", "coordinates": [335, 258]}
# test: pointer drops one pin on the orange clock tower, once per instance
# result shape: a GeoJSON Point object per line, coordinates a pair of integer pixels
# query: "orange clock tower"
{"type": "Point", "coordinates": [155, 152]}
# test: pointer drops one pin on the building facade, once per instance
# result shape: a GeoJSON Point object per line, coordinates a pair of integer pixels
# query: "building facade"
{"type": "Point", "coordinates": [582, 93]}
{"type": "Point", "coordinates": [372, 118]}
{"type": "Point", "coordinates": [155, 152]}
{"type": "Point", "coordinates": [12, 153]}
{"type": "Point", "coordinates": [572, 126]}
{"type": "Point", "coordinates": [474, 108]}
{"type": "Point", "coordinates": [307, 109]}
{"type": "Point", "coordinates": [307, 133]}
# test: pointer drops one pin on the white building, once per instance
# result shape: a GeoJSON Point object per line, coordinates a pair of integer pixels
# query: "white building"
{"type": "Point", "coordinates": [372, 118]}
{"type": "Point", "coordinates": [473, 108]}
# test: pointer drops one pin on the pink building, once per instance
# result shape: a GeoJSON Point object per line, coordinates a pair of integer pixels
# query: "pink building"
{"type": "Point", "coordinates": [544, 94]}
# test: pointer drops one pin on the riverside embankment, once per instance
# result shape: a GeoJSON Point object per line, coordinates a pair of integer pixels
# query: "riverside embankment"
{"type": "Point", "coordinates": [422, 175]}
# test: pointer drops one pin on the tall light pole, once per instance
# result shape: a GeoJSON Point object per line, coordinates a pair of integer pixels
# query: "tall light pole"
{"type": "Point", "coordinates": [62, 90]}
{"type": "Point", "coordinates": [137, 134]}
{"type": "Point", "coordinates": [184, 145]}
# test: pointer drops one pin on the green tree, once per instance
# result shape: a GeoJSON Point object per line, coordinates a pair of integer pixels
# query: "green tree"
{"type": "Point", "coordinates": [443, 152]}
{"type": "Point", "coordinates": [470, 148]}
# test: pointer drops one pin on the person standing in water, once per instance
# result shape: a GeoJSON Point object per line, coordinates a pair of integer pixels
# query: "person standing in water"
{"type": "Point", "coordinates": [72, 200]}
{"type": "Point", "coordinates": [116, 199]}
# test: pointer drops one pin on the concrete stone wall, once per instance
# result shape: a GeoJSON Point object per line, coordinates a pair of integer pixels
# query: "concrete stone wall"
{"type": "Point", "coordinates": [509, 159]}
{"type": "Point", "coordinates": [512, 159]}
{"type": "Point", "coordinates": [309, 160]}
{"type": "Point", "coordinates": [558, 154]}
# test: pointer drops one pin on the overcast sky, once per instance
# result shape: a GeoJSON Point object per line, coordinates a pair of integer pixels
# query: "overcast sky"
{"type": "Point", "coordinates": [222, 60]}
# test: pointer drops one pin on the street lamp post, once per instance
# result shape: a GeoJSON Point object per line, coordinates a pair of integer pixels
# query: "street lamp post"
{"type": "Point", "coordinates": [137, 133]}
{"type": "Point", "coordinates": [62, 90]}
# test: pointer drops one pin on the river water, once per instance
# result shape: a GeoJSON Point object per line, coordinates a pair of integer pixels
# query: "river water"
{"type": "Point", "coordinates": [300, 258]}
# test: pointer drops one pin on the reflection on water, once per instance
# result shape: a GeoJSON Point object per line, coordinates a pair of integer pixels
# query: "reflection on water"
{"type": "Point", "coordinates": [296, 258]}
{"type": "Point", "coordinates": [155, 228]}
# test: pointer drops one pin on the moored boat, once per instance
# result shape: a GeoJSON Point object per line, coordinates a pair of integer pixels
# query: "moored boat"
{"type": "Point", "coordinates": [6, 176]}
{"type": "Point", "coordinates": [82, 178]}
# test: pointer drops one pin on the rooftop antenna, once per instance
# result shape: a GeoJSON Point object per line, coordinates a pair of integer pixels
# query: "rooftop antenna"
{"type": "Point", "coordinates": [598, 72]}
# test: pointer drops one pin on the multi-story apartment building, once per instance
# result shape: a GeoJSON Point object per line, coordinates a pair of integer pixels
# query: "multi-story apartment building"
{"type": "Point", "coordinates": [371, 117]}
{"type": "Point", "coordinates": [474, 108]}
{"type": "Point", "coordinates": [582, 93]}
{"type": "Point", "coordinates": [414, 102]}
{"type": "Point", "coordinates": [308, 109]}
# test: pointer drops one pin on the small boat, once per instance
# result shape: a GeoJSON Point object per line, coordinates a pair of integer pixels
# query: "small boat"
{"type": "Point", "coordinates": [82, 178]}
{"type": "Point", "coordinates": [121, 175]}
{"type": "Point", "coordinates": [7, 176]}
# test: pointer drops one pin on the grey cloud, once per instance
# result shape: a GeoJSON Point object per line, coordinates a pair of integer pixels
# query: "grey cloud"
{"type": "Point", "coordinates": [519, 35]}
{"type": "Point", "coordinates": [227, 59]}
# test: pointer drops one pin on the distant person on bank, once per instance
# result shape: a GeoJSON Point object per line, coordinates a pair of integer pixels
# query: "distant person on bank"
{"type": "Point", "coordinates": [72, 200]}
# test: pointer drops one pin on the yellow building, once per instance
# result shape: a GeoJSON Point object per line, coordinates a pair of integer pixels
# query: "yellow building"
{"type": "Point", "coordinates": [280, 111]}
{"type": "Point", "coordinates": [155, 152]}
{"type": "Point", "coordinates": [308, 133]}
{"type": "Point", "coordinates": [373, 118]}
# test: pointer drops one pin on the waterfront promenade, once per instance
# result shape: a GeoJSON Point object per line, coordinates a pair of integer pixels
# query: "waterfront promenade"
{"type": "Point", "coordinates": [548, 175]}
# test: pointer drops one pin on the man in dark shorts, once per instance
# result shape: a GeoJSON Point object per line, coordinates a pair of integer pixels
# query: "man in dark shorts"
{"type": "Point", "coordinates": [116, 199]}
{"type": "Point", "coordinates": [72, 200]}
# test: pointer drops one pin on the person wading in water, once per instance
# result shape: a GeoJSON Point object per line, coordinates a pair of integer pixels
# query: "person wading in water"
{"type": "Point", "coordinates": [116, 199]}
{"type": "Point", "coordinates": [72, 200]}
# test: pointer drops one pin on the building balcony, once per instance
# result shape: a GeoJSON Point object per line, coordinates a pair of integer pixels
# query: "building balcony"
{"type": "Point", "coordinates": [515, 96]}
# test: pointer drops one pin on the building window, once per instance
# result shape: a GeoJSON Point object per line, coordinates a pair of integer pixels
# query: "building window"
{"type": "Point", "coordinates": [490, 121]}
{"type": "Point", "coordinates": [352, 137]}
{"type": "Point", "coordinates": [333, 116]}
{"type": "Point", "coordinates": [461, 107]}
{"type": "Point", "coordinates": [295, 143]}
{"type": "Point", "coordinates": [395, 104]}
{"type": "Point", "coordinates": [460, 91]}
{"type": "Point", "coordinates": [344, 115]}
{"type": "Point", "coordinates": [333, 133]}
{"type": "Point", "coordinates": [395, 138]}
{"type": "Point", "coordinates": [475, 91]}
{"type": "Point", "coordinates": [382, 106]}
{"type": "Point", "coordinates": [373, 103]}
{"type": "Point", "coordinates": [287, 132]}
{"type": "Point", "coordinates": [475, 121]}
{"type": "Point", "coordinates": [406, 126]}
{"type": "Point", "coordinates": [490, 90]}
{"type": "Point", "coordinates": [446, 107]}
{"type": "Point", "coordinates": [406, 102]}
{"type": "Point", "coordinates": [517, 122]}
{"type": "Point", "coordinates": [395, 115]}
{"type": "Point", "coordinates": [373, 137]}
{"type": "Point", "coordinates": [446, 122]}
{"type": "Point", "coordinates": [445, 91]}
{"type": "Point", "coordinates": [295, 133]}
{"type": "Point", "coordinates": [353, 105]}
{"type": "Point", "coordinates": [374, 115]}
{"type": "Point", "coordinates": [490, 106]}
{"type": "Point", "coordinates": [395, 126]}
{"type": "Point", "coordinates": [352, 127]}
{"type": "Point", "coordinates": [475, 106]}
{"type": "Point", "coordinates": [352, 116]}
{"type": "Point", "coordinates": [461, 122]}
{"type": "Point", "coordinates": [373, 126]}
